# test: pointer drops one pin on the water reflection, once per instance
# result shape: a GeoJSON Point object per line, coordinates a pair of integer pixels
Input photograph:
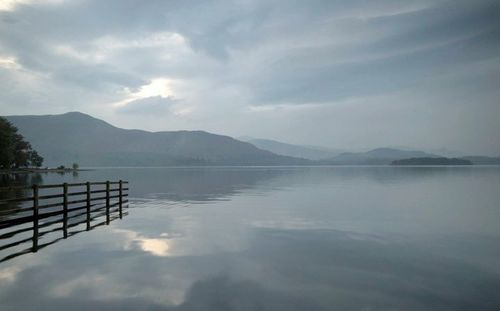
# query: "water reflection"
{"type": "Point", "coordinates": [16, 242]}
{"type": "Point", "coordinates": [15, 181]}
{"type": "Point", "coordinates": [278, 239]}
{"type": "Point", "coordinates": [281, 270]}
{"type": "Point", "coordinates": [20, 179]}
{"type": "Point", "coordinates": [31, 217]}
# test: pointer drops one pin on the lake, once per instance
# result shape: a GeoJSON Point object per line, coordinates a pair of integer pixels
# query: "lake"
{"type": "Point", "coordinates": [275, 238]}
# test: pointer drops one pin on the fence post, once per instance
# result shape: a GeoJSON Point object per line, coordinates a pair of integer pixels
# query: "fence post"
{"type": "Point", "coordinates": [88, 205]}
{"type": "Point", "coordinates": [107, 202]}
{"type": "Point", "coordinates": [65, 209]}
{"type": "Point", "coordinates": [120, 199]}
{"type": "Point", "coordinates": [35, 218]}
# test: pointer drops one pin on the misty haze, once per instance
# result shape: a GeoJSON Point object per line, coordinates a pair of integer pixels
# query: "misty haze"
{"type": "Point", "coordinates": [249, 155]}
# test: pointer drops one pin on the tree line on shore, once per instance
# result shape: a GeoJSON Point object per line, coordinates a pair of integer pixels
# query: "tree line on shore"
{"type": "Point", "coordinates": [15, 151]}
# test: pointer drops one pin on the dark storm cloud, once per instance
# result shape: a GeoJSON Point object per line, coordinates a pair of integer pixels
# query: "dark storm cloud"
{"type": "Point", "coordinates": [231, 57]}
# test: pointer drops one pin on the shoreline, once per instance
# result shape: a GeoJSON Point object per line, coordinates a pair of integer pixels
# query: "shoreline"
{"type": "Point", "coordinates": [40, 170]}
{"type": "Point", "coordinates": [70, 170]}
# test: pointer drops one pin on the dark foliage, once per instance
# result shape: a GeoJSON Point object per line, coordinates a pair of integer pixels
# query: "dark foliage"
{"type": "Point", "coordinates": [432, 161]}
{"type": "Point", "coordinates": [15, 152]}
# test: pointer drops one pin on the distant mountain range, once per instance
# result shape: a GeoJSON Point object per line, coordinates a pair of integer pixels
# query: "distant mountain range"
{"type": "Point", "coordinates": [386, 156]}
{"type": "Point", "coordinates": [298, 151]}
{"type": "Point", "coordinates": [378, 156]}
{"type": "Point", "coordinates": [77, 137]}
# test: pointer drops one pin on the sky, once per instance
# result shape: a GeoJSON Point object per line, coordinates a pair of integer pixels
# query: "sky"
{"type": "Point", "coordinates": [352, 74]}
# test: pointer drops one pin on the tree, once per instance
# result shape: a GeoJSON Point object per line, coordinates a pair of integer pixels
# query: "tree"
{"type": "Point", "coordinates": [22, 150]}
{"type": "Point", "coordinates": [6, 143]}
{"type": "Point", "coordinates": [36, 159]}
{"type": "Point", "coordinates": [14, 150]}
{"type": "Point", "coordinates": [75, 166]}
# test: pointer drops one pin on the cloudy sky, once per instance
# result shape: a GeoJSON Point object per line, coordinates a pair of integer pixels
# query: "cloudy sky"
{"type": "Point", "coordinates": [346, 74]}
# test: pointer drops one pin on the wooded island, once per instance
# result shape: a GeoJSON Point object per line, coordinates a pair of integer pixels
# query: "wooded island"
{"type": "Point", "coordinates": [432, 161]}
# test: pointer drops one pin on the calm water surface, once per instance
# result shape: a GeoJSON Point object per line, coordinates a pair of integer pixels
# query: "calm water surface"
{"type": "Point", "coordinates": [329, 238]}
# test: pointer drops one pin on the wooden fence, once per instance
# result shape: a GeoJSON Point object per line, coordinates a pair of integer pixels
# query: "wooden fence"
{"type": "Point", "coordinates": [40, 209]}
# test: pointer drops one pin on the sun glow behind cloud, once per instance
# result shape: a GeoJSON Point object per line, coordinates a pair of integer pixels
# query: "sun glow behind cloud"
{"type": "Point", "coordinates": [9, 63]}
{"type": "Point", "coordinates": [157, 87]}
{"type": "Point", "coordinates": [155, 98]}
{"type": "Point", "coordinates": [10, 5]}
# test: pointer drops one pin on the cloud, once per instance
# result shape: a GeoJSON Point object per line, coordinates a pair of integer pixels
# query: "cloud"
{"type": "Point", "coordinates": [226, 59]}
{"type": "Point", "coordinates": [281, 269]}
{"type": "Point", "coordinates": [154, 105]}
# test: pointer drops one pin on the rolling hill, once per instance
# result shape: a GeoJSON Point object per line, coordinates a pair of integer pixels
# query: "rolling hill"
{"type": "Point", "coordinates": [298, 151]}
{"type": "Point", "coordinates": [77, 137]}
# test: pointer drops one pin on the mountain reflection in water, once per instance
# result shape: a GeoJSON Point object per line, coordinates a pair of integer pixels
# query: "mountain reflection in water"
{"type": "Point", "coordinates": [351, 238]}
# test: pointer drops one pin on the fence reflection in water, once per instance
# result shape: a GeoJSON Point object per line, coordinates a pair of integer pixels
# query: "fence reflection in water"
{"type": "Point", "coordinates": [30, 215]}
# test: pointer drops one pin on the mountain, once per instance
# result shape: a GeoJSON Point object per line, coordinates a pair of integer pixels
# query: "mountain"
{"type": "Point", "coordinates": [77, 137]}
{"type": "Point", "coordinates": [306, 152]}
{"type": "Point", "coordinates": [379, 156]}
{"type": "Point", "coordinates": [445, 152]}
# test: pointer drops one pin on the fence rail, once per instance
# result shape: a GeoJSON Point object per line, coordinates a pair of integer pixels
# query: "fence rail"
{"type": "Point", "coordinates": [24, 209]}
